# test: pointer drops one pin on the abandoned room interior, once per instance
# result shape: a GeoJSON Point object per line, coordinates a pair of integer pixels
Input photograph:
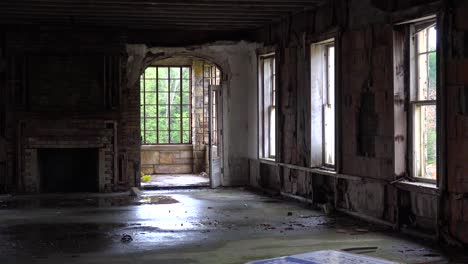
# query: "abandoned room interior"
{"type": "Point", "coordinates": [234, 131]}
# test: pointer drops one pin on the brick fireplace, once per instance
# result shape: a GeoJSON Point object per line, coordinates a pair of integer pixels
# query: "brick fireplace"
{"type": "Point", "coordinates": [37, 137]}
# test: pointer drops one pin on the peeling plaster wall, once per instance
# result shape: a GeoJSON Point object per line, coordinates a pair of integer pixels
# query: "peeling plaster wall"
{"type": "Point", "coordinates": [238, 65]}
{"type": "Point", "coordinates": [369, 147]}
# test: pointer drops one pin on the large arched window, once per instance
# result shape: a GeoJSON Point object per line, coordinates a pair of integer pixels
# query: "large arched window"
{"type": "Point", "coordinates": [166, 105]}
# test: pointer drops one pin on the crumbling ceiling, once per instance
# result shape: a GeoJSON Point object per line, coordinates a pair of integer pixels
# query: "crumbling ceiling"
{"type": "Point", "coordinates": [225, 15]}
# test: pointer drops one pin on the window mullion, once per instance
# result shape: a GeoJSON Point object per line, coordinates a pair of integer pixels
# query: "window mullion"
{"type": "Point", "coordinates": [157, 105]}
{"type": "Point", "coordinates": [180, 106]}
{"type": "Point", "coordinates": [144, 108]}
{"type": "Point", "coordinates": [169, 104]}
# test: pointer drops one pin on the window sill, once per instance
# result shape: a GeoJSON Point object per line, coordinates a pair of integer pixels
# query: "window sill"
{"type": "Point", "coordinates": [168, 147]}
{"type": "Point", "coordinates": [419, 187]}
{"type": "Point", "coordinates": [267, 161]}
{"type": "Point", "coordinates": [324, 170]}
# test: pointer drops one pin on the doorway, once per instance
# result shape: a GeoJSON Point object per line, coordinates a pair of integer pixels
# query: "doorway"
{"type": "Point", "coordinates": [181, 128]}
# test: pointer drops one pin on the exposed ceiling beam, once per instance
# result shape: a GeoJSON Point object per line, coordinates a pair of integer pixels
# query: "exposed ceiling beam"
{"type": "Point", "coordinates": [187, 14]}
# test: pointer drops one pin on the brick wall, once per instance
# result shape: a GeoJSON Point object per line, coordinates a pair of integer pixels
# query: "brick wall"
{"type": "Point", "coordinates": [457, 123]}
{"type": "Point", "coordinates": [46, 134]}
{"type": "Point", "coordinates": [45, 107]}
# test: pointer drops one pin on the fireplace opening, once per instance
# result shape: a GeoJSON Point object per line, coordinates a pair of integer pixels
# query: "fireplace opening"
{"type": "Point", "coordinates": [69, 170]}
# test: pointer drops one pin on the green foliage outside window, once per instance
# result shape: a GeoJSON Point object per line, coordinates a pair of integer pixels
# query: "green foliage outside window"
{"type": "Point", "coordinates": [165, 105]}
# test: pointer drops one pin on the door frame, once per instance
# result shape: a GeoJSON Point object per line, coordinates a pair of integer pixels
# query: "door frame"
{"type": "Point", "coordinates": [214, 182]}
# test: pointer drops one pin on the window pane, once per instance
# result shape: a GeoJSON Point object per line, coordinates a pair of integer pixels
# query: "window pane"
{"type": "Point", "coordinates": [175, 137]}
{"type": "Point", "coordinates": [163, 123]}
{"type": "Point", "coordinates": [163, 137]}
{"type": "Point", "coordinates": [163, 98]}
{"type": "Point", "coordinates": [422, 41]}
{"type": "Point", "coordinates": [185, 98]}
{"type": "Point", "coordinates": [186, 85]}
{"type": "Point", "coordinates": [150, 137]}
{"type": "Point", "coordinates": [186, 123]}
{"type": "Point", "coordinates": [142, 84]}
{"type": "Point", "coordinates": [150, 124]}
{"type": "Point", "coordinates": [186, 73]}
{"type": "Point", "coordinates": [175, 98]}
{"type": "Point", "coordinates": [186, 111]}
{"type": "Point", "coordinates": [432, 38]}
{"type": "Point", "coordinates": [175, 124]}
{"type": "Point", "coordinates": [142, 127]}
{"type": "Point", "coordinates": [175, 86]}
{"type": "Point", "coordinates": [432, 76]}
{"type": "Point", "coordinates": [150, 110]}
{"type": "Point", "coordinates": [267, 74]}
{"type": "Point", "coordinates": [150, 98]}
{"type": "Point", "coordinates": [425, 137]}
{"type": "Point", "coordinates": [163, 73]}
{"type": "Point", "coordinates": [175, 72]}
{"type": "Point", "coordinates": [329, 111]}
{"type": "Point", "coordinates": [186, 136]}
{"type": "Point", "coordinates": [422, 77]}
{"type": "Point", "coordinates": [163, 111]}
{"type": "Point", "coordinates": [163, 85]}
{"type": "Point", "coordinates": [272, 131]}
{"type": "Point", "coordinates": [175, 111]}
{"type": "Point", "coordinates": [150, 73]}
{"type": "Point", "coordinates": [329, 134]}
{"type": "Point", "coordinates": [150, 85]}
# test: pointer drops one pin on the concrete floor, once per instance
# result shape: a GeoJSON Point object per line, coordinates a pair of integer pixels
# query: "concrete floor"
{"type": "Point", "coordinates": [176, 180]}
{"type": "Point", "coordinates": [184, 226]}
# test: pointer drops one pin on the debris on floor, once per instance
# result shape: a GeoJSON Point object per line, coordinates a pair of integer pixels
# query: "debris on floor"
{"type": "Point", "coordinates": [126, 238]}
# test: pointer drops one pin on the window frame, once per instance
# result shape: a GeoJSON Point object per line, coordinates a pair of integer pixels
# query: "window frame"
{"type": "Point", "coordinates": [326, 102]}
{"type": "Point", "coordinates": [157, 104]}
{"type": "Point", "coordinates": [318, 61]}
{"type": "Point", "coordinates": [266, 113]}
{"type": "Point", "coordinates": [416, 161]}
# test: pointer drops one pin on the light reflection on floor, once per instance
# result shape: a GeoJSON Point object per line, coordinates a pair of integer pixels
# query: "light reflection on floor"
{"type": "Point", "coordinates": [172, 216]}
{"type": "Point", "coordinates": [183, 226]}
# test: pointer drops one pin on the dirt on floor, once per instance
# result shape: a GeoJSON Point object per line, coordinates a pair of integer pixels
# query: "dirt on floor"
{"type": "Point", "coordinates": [222, 226]}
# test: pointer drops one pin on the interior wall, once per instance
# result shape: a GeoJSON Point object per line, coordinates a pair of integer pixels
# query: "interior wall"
{"type": "Point", "coordinates": [74, 80]}
{"type": "Point", "coordinates": [366, 167]}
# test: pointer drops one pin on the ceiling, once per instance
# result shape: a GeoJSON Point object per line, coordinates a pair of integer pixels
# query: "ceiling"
{"type": "Point", "coordinates": [222, 15]}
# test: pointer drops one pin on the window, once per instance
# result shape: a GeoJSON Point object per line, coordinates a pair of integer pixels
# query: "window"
{"type": "Point", "coordinates": [212, 75]}
{"type": "Point", "coordinates": [423, 99]}
{"type": "Point", "coordinates": [166, 105]}
{"type": "Point", "coordinates": [267, 103]}
{"type": "Point", "coordinates": [329, 107]}
{"type": "Point", "coordinates": [323, 104]}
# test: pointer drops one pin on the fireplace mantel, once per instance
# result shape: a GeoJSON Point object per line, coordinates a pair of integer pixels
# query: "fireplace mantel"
{"type": "Point", "coordinates": [53, 134]}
